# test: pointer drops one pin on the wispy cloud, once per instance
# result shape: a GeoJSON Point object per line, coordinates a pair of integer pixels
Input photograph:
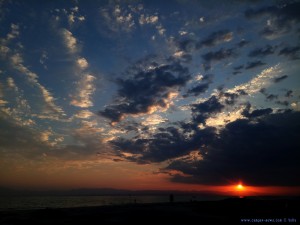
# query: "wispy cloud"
{"type": "Point", "coordinates": [50, 106]}
{"type": "Point", "coordinates": [69, 40]}
{"type": "Point", "coordinates": [262, 80]}
{"type": "Point", "coordinates": [147, 19]}
{"type": "Point", "coordinates": [84, 114]}
{"type": "Point", "coordinates": [117, 19]}
{"type": "Point", "coordinates": [85, 88]}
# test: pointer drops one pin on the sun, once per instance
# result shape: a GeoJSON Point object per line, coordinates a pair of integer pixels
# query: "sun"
{"type": "Point", "coordinates": [240, 187]}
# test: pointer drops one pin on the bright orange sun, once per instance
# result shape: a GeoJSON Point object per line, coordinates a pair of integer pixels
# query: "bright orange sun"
{"type": "Point", "coordinates": [240, 187]}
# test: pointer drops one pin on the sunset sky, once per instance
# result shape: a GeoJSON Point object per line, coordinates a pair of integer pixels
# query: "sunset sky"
{"type": "Point", "coordinates": [175, 94]}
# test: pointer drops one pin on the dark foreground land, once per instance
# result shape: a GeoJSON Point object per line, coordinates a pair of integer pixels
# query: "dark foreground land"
{"type": "Point", "coordinates": [229, 211]}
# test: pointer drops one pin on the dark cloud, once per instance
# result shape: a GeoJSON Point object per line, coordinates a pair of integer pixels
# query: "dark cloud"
{"type": "Point", "coordinates": [238, 67]}
{"type": "Point", "coordinates": [258, 152]}
{"type": "Point", "coordinates": [267, 50]}
{"type": "Point", "coordinates": [236, 72]}
{"type": "Point", "coordinates": [256, 113]}
{"type": "Point", "coordinates": [278, 79]}
{"type": "Point", "coordinates": [284, 103]}
{"type": "Point", "coordinates": [230, 98]}
{"type": "Point", "coordinates": [186, 45]}
{"type": "Point", "coordinates": [27, 142]}
{"type": "Point", "coordinates": [166, 144]}
{"type": "Point", "coordinates": [271, 97]}
{"type": "Point", "coordinates": [242, 43]}
{"type": "Point", "coordinates": [204, 110]}
{"type": "Point", "coordinates": [282, 18]}
{"type": "Point", "coordinates": [289, 93]}
{"type": "Point", "coordinates": [202, 87]}
{"type": "Point", "coordinates": [19, 139]}
{"type": "Point", "coordinates": [198, 89]}
{"type": "Point", "coordinates": [217, 56]}
{"type": "Point", "coordinates": [146, 89]}
{"type": "Point", "coordinates": [216, 38]}
{"type": "Point", "coordinates": [290, 52]}
{"type": "Point", "coordinates": [254, 64]}
{"type": "Point", "coordinates": [173, 141]}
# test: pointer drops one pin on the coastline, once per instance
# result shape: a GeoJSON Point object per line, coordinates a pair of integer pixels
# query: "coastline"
{"type": "Point", "coordinates": [232, 210]}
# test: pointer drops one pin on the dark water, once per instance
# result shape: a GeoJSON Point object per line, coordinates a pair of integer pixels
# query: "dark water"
{"type": "Point", "coordinates": [39, 202]}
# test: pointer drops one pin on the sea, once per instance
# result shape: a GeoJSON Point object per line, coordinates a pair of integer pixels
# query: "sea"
{"type": "Point", "coordinates": [42, 202]}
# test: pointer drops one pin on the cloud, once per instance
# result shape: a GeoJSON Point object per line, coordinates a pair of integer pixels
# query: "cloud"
{"type": "Point", "coordinates": [13, 33]}
{"type": "Point", "coordinates": [262, 80]}
{"type": "Point", "coordinates": [280, 19]}
{"type": "Point", "coordinates": [290, 52]}
{"type": "Point", "coordinates": [117, 19]}
{"type": "Point", "coordinates": [264, 51]}
{"type": "Point", "coordinates": [84, 114]}
{"type": "Point", "coordinates": [217, 56]}
{"type": "Point", "coordinates": [85, 88]}
{"type": "Point", "coordinates": [289, 93]}
{"type": "Point", "coordinates": [281, 78]}
{"type": "Point", "coordinates": [154, 119]}
{"type": "Point", "coordinates": [200, 88]}
{"type": "Point", "coordinates": [243, 43]}
{"type": "Point", "coordinates": [50, 106]}
{"type": "Point", "coordinates": [256, 113]}
{"type": "Point", "coordinates": [186, 45]}
{"type": "Point", "coordinates": [228, 157]}
{"type": "Point", "coordinates": [147, 91]}
{"type": "Point", "coordinates": [13, 134]}
{"type": "Point", "coordinates": [69, 40]}
{"type": "Point", "coordinates": [4, 42]}
{"type": "Point", "coordinates": [254, 64]}
{"type": "Point", "coordinates": [72, 17]}
{"type": "Point", "coordinates": [11, 84]}
{"type": "Point", "coordinates": [148, 19]}
{"type": "Point", "coordinates": [206, 109]}
{"type": "Point", "coordinates": [216, 38]}
{"type": "Point", "coordinates": [82, 63]}
{"type": "Point", "coordinates": [170, 142]}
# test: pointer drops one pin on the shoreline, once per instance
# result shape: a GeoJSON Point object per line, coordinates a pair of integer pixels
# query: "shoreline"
{"type": "Point", "coordinates": [232, 210]}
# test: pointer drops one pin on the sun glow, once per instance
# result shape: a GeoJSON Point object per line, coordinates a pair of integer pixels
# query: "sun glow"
{"type": "Point", "coordinates": [240, 187]}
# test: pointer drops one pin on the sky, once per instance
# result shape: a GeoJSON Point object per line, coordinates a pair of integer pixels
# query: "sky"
{"type": "Point", "coordinates": [179, 94]}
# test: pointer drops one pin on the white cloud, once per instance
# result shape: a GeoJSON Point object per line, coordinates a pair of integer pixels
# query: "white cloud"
{"type": "Point", "coordinates": [183, 32]}
{"type": "Point", "coordinates": [153, 119]}
{"type": "Point", "coordinates": [117, 19]}
{"type": "Point", "coordinates": [148, 19]}
{"type": "Point", "coordinates": [84, 114]}
{"type": "Point", "coordinates": [4, 50]}
{"type": "Point", "coordinates": [81, 18]}
{"type": "Point", "coordinates": [71, 18]}
{"type": "Point", "coordinates": [11, 84]}
{"type": "Point", "coordinates": [264, 79]}
{"type": "Point", "coordinates": [50, 138]}
{"type": "Point", "coordinates": [75, 9]}
{"type": "Point", "coordinates": [2, 101]}
{"type": "Point", "coordinates": [43, 58]}
{"type": "Point", "coordinates": [82, 63]}
{"type": "Point", "coordinates": [85, 88]}
{"type": "Point", "coordinates": [178, 54]}
{"type": "Point", "coordinates": [69, 40]}
{"type": "Point", "coordinates": [296, 106]}
{"type": "Point", "coordinates": [50, 106]}
{"type": "Point", "coordinates": [14, 32]}
{"type": "Point", "coordinates": [161, 30]}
